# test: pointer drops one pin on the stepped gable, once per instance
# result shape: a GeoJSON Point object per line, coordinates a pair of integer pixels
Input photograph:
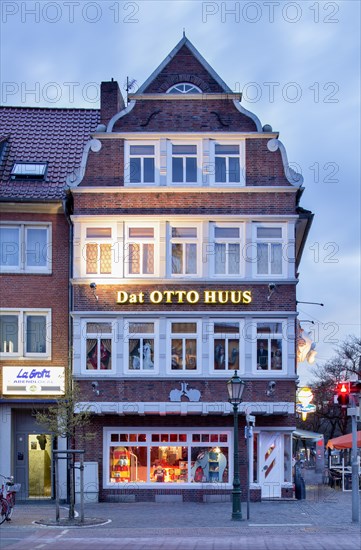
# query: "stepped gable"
{"type": "Point", "coordinates": [33, 134]}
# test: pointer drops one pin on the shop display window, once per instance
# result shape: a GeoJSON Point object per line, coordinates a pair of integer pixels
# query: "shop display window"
{"type": "Point", "coordinates": [128, 464]}
{"type": "Point", "coordinates": [209, 465]}
{"type": "Point", "coordinates": [168, 458]}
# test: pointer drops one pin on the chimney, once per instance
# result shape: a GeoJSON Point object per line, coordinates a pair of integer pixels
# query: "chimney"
{"type": "Point", "coordinates": [111, 100]}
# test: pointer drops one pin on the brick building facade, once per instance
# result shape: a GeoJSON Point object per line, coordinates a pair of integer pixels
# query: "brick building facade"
{"type": "Point", "coordinates": [187, 238]}
{"type": "Point", "coordinates": [150, 250]}
{"type": "Point", "coordinates": [38, 149]}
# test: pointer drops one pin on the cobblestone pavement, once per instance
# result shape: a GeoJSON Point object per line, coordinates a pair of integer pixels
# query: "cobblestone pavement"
{"type": "Point", "coordinates": [322, 521]}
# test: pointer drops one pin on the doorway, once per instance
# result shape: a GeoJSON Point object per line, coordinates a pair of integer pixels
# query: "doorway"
{"type": "Point", "coordinates": [39, 465]}
{"type": "Point", "coordinates": [270, 461]}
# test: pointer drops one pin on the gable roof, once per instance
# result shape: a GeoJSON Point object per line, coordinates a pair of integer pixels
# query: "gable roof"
{"type": "Point", "coordinates": [184, 42]}
{"type": "Point", "coordinates": [33, 134]}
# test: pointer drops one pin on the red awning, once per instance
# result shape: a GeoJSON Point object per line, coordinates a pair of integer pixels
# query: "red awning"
{"type": "Point", "coordinates": [343, 442]}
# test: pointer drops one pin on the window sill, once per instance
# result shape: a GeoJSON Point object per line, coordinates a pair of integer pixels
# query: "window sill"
{"type": "Point", "coordinates": [38, 357]}
{"type": "Point", "coordinates": [4, 271]}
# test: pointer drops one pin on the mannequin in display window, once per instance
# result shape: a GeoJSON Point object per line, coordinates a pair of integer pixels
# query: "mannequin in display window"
{"type": "Point", "coordinates": [158, 474]}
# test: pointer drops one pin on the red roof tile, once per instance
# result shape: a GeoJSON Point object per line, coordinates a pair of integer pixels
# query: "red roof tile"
{"type": "Point", "coordinates": [55, 136]}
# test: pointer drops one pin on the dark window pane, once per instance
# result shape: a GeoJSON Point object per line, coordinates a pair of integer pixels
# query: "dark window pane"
{"type": "Point", "coordinates": [234, 174]}
{"type": "Point", "coordinates": [184, 232]}
{"type": "Point", "coordinates": [148, 170]}
{"type": "Point", "coordinates": [227, 149]}
{"type": "Point", "coordinates": [269, 232]}
{"type": "Point", "coordinates": [233, 354]}
{"type": "Point", "coordinates": [220, 170]}
{"type": "Point", "coordinates": [219, 354]}
{"type": "Point", "coordinates": [191, 168]}
{"type": "Point", "coordinates": [226, 232]}
{"type": "Point", "coordinates": [177, 254]}
{"type": "Point", "coordinates": [35, 334]}
{"type": "Point", "coordinates": [9, 327]}
{"type": "Point", "coordinates": [141, 149]}
{"type": "Point", "coordinates": [184, 149]}
{"type": "Point", "coordinates": [134, 167]}
{"type": "Point", "coordinates": [177, 170]}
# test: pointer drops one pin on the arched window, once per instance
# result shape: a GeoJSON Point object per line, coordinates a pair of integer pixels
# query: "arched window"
{"type": "Point", "coordinates": [184, 88]}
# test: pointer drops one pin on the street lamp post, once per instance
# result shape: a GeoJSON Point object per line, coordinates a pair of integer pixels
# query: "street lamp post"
{"type": "Point", "coordinates": [235, 387]}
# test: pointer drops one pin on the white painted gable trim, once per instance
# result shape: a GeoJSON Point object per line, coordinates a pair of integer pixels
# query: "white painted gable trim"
{"type": "Point", "coordinates": [292, 176]}
{"type": "Point", "coordinates": [197, 55]}
{"type": "Point", "coordinates": [184, 408]}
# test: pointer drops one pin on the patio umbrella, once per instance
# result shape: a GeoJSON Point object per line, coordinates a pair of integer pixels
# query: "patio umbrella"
{"type": "Point", "coordinates": [343, 442]}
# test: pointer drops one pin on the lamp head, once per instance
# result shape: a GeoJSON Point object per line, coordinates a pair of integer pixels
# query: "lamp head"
{"type": "Point", "coordinates": [235, 387]}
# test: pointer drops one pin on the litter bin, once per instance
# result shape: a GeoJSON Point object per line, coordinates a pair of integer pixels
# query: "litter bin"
{"type": "Point", "coordinates": [300, 486]}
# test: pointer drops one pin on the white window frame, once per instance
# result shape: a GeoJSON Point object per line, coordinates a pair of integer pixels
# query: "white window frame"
{"type": "Point", "coordinates": [242, 163]}
{"type": "Point", "coordinates": [270, 241]}
{"type": "Point", "coordinates": [227, 336]}
{"type": "Point", "coordinates": [133, 336]}
{"type": "Point", "coordinates": [83, 346]}
{"type": "Point", "coordinates": [227, 240]}
{"type": "Point", "coordinates": [155, 241]}
{"type": "Point", "coordinates": [183, 336]}
{"type": "Point", "coordinates": [22, 315]}
{"type": "Point", "coordinates": [107, 444]}
{"type": "Point", "coordinates": [127, 156]}
{"type": "Point", "coordinates": [197, 156]}
{"type": "Point", "coordinates": [185, 240]}
{"type": "Point", "coordinates": [23, 228]}
{"type": "Point", "coordinates": [115, 249]}
{"type": "Point", "coordinates": [176, 87]}
{"type": "Point", "coordinates": [270, 336]}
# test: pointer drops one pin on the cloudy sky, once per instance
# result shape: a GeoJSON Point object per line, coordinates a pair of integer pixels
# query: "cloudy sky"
{"type": "Point", "coordinates": [297, 65]}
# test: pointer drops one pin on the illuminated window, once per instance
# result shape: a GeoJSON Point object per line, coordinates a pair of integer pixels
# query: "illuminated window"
{"type": "Point", "coordinates": [167, 457]}
{"type": "Point", "coordinates": [98, 250]}
{"type": "Point", "coordinates": [98, 346]}
{"type": "Point", "coordinates": [269, 346]}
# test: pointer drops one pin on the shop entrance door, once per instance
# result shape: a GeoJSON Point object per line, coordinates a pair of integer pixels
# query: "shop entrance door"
{"type": "Point", "coordinates": [270, 455]}
{"type": "Point", "coordinates": [39, 464]}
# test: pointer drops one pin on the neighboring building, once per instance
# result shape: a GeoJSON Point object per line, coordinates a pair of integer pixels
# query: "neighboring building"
{"type": "Point", "coordinates": [39, 148]}
{"type": "Point", "coordinates": [187, 239]}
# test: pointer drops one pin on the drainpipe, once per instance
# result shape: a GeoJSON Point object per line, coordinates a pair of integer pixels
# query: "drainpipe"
{"type": "Point", "coordinates": [67, 205]}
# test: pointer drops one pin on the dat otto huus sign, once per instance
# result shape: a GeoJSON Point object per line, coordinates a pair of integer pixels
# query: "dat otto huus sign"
{"type": "Point", "coordinates": [186, 297]}
{"type": "Point", "coordinates": [33, 380]}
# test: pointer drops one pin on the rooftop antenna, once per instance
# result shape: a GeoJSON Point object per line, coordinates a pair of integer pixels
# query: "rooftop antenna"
{"type": "Point", "coordinates": [129, 85]}
{"type": "Point", "coordinates": [184, 32]}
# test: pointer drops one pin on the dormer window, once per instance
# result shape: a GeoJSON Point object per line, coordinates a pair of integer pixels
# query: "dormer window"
{"type": "Point", "coordinates": [29, 170]}
{"type": "Point", "coordinates": [184, 88]}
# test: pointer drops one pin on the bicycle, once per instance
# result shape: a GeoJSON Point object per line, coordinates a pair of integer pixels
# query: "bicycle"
{"type": "Point", "coordinates": [7, 495]}
{"type": "Point", "coordinates": [4, 509]}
